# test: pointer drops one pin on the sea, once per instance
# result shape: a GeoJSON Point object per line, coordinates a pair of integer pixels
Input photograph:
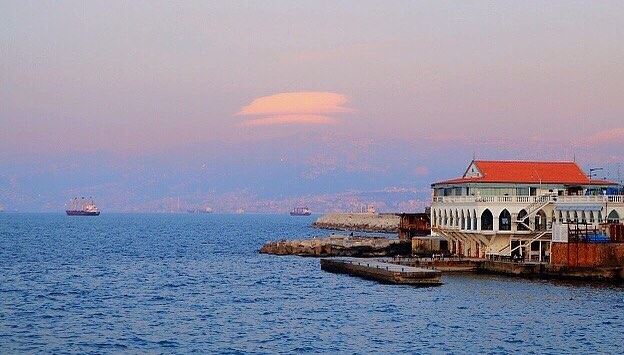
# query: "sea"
{"type": "Point", "coordinates": [195, 283]}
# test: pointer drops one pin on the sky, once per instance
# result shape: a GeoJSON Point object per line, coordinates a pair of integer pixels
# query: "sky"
{"type": "Point", "coordinates": [266, 105]}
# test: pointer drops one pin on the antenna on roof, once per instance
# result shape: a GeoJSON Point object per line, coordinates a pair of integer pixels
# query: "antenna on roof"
{"type": "Point", "coordinates": [592, 172]}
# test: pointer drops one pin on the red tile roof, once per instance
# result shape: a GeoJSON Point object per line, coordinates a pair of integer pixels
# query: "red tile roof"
{"type": "Point", "coordinates": [531, 172]}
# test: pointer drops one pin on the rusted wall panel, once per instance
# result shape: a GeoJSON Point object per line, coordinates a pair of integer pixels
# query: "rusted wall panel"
{"type": "Point", "coordinates": [588, 254]}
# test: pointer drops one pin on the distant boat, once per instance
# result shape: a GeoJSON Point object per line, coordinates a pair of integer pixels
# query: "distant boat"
{"type": "Point", "coordinates": [300, 211]}
{"type": "Point", "coordinates": [240, 211]}
{"type": "Point", "coordinates": [82, 207]}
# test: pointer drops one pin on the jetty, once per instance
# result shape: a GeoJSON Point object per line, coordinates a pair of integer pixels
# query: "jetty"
{"type": "Point", "coordinates": [540, 270]}
{"type": "Point", "coordinates": [339, 245]}
{"type": "Point", "coordinates": [382, 271]}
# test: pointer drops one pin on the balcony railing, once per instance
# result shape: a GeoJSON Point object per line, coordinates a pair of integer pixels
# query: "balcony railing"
{"type": "Point", "coordinates": [529, 199]}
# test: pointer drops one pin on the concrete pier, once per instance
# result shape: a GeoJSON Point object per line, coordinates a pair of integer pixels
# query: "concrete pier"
{"type": "Point", "coordinates": [448, 265]}
{"type": "Point", "coordinates": [521, 269]}
{"type": "Point", "coordinates": [382, 271]}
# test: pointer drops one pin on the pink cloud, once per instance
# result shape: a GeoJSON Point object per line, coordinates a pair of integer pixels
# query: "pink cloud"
{"type": "Point", "coordinates": [607, 136]}
{"type": "Point", "coordinates": [297, 103]}
{"type": "Point", "coordinates": [295, 108]}
{"type": "Point", "coordinates": [421, 170]}
{"type": "Point", "coordinates": [288, 119]}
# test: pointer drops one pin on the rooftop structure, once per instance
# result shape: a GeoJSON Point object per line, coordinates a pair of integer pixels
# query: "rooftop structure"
{"type": "Point", "coordinates": [528, 172]}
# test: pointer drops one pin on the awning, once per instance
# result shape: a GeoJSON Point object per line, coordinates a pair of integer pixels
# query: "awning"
{"type": "Point", "coordinates": [578, 207]}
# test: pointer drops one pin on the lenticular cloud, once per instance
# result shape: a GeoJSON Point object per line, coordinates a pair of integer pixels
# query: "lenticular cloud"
{"type": "Point", "coordinates": [295, 108]}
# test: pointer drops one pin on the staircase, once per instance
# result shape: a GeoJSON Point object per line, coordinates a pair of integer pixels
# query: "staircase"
{"type": "Point", "coordinates": [535, 206]}
{"type": "Point", "coordinates": [527, 244]}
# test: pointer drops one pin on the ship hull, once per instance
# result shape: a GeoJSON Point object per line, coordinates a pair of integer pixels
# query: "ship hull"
{"type": "Point", "coordinates": [300, 214]}
{"type": "Point", "coordinates": [82, 213]}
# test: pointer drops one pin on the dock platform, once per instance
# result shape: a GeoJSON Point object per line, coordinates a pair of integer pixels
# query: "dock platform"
{"type": "Point", "coordinates": [381, 271]}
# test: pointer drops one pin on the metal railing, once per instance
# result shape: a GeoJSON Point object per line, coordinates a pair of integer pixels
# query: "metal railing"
{"type": "Point", "coordinates": [530, 199]}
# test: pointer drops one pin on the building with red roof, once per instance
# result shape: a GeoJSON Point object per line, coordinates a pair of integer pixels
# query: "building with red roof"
{"type": "Point", "coordinates": [510, 208]}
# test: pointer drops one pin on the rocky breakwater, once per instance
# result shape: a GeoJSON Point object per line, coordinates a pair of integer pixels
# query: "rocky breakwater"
{"type": "Point", "coordinates": [365, 222]}
{"type": "Point", "coordinates": [339, 246]}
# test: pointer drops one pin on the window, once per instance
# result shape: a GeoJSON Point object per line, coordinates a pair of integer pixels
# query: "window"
{"type": "Point", "coordinates": [613, 217]}
{"type": "Point", "coordinates": [504, 221]}
{"type": "Point", "coordinates": [487, 220]}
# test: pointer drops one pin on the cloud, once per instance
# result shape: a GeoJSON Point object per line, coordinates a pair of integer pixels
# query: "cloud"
{"type": "Point", "coordinates": [607, 136]}
{"type": "Point", "coordinates": [289, 119]}
{"type": "Point", "coordinates": [421, 170]}
{"type": "Point", "coordinates": [295, 108]}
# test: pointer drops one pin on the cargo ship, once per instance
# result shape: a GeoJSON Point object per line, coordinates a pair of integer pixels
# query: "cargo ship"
{"type": "Point", "coordinates": [300, 211]}
{"type": "Point", "coordinates": [82, 207]}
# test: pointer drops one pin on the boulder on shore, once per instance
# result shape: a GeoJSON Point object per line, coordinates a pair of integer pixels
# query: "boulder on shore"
{"type": "Point", "coordinates": [339, 246]}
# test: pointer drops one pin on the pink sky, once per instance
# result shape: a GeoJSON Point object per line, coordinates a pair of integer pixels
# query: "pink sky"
{"type": "Point", "coordinates": [320, 89]}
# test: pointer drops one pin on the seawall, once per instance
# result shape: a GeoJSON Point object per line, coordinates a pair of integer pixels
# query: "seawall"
{"type": "Point", "coordinates": [338, 246]}
{"type": "Point", "coordinates": [528, 270]}
{"type": "Point", "coordinates": [364, 222]}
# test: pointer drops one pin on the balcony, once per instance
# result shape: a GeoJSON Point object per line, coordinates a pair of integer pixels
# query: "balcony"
{"type": "Point", "coordinates": [528, 199]}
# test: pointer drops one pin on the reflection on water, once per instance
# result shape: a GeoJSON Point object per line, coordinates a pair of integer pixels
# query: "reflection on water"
{"type": "Point", "coordinates": [178, 283]}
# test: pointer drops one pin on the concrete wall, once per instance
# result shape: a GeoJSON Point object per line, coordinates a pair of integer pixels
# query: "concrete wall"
{"type": "Point", "coordinates": [426, 246]}
{"type": "Point", "coordinates": [359, 222]}
{"type": "Point", "coordinates": [587, 254]}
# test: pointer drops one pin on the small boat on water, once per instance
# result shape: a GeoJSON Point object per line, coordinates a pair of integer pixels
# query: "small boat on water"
{"type": "Point", "coordinates": [300, 211]}
{"type": "Point", "coordinates": [82, 207]}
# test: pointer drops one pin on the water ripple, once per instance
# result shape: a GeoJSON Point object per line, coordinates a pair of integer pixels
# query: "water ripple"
{"type": "Point", "coordinates": [195, 283]}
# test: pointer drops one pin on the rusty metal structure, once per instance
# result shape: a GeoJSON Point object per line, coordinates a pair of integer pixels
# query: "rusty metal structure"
{"type": "Point", "coordinates": [414, 225]}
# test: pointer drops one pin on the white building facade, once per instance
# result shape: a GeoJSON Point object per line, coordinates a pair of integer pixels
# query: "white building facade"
{"type": "Point", "coordinates": [509, 208]}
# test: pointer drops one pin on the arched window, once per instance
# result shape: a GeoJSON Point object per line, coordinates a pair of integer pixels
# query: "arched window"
{"type": "Point", "coordinates": [583, 217]}
{"type": "Point", "coordinates": [575, 217]}
{"type": "Point", "coordinates": [487, 220]}
{"type": "Point", "coordinates": [567, 216]}
{"type": "Point", "coordinates": [599, 216]}
{"type": "Point", "coordinates": [504, 221]}
{"type": "Point", "coordinates": [474, 220]}
{"type": "Point", "coordinates": [591, 217]}
{"type": "Point", "coordinates": [613, 217]}
{"type": "Point", "coordinates": [522, 216]}
{"type": "Point", "coordinates": [560, 217]}
{"type": "Point", "coordinates": [468, 221]}
{"type": "Point", "coordinates": [445, 218]}
{"type": "Point", "coordinates": [462, 220]}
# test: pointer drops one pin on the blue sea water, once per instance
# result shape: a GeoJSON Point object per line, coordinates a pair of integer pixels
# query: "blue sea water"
{"type": "Point", "coordinates": [195, 283]}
